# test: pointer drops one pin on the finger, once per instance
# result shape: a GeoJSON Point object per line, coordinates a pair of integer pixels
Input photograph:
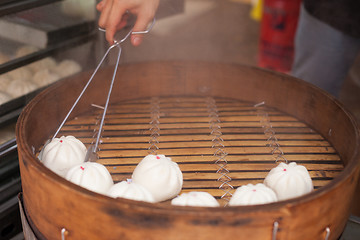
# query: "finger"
{"type": "Point", "coordinates": [145, 14]}
{"type": "Point", "coordinates": [141, 24]}
{"type": "Point", "coordinates": [115, 22]}
{"type": "Point", "coordinates": [105, 13]}
{"type": "Point", "coordinates": [100, 5]}
{"type": "Point", "coordinates": [122, 24]}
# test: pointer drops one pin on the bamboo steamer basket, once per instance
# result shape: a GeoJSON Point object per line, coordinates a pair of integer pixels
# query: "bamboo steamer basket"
{"type": "Point", "coordinates": [53, 204]}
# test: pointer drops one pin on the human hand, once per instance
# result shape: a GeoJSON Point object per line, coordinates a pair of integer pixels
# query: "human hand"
{"type": "Point", "coordinates": [113, 16]}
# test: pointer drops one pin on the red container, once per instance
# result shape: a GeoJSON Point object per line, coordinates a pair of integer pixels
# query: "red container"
{"type": "Point", "coordinates": [278, 27]}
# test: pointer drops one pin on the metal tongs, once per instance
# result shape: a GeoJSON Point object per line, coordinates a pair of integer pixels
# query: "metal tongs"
{"type": "Point", "coordinates": [91, 154]}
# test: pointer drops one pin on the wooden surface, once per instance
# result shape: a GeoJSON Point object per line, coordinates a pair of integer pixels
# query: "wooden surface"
{"type": "Point", "coordinates": [306, 120]}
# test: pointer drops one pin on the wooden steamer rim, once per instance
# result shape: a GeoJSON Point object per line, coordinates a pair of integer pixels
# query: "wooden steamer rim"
{"type": "Point", "coordinates": [48, 197]}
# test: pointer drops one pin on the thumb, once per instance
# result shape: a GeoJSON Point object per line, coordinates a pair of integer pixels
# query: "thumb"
{"type": "Point", "coordinates": [141, 24]}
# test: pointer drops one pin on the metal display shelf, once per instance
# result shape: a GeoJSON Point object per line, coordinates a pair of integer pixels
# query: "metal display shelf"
{"type": "Point", "coordinates": [10, 186]}
{"type": "Point", "coordinates": [13, 6]}
{"type": "Point", "coordinates": [11, 110]}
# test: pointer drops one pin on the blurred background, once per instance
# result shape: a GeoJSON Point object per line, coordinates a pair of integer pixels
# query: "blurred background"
{"type": "Point", "coordinates": [231, 31]}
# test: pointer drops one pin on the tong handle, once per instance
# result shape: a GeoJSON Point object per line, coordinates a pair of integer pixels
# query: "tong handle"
{"type": "Point", "coordinates": [131, 32]}
{"type": "Point", "coordinates": [107, 101]}
{"type": "Point", "coordinates": [117, 43]}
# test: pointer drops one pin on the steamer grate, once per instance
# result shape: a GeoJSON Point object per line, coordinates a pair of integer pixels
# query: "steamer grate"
{"type": "Point", "coordinates": [218, 143]}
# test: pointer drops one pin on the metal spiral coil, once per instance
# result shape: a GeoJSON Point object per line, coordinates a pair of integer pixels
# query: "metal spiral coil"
{"type": "Point", "coordinates": [154, 126]}
{"type": "Point", "coordinates": [269, 132]}
{"type": "Point", "coordinates": [219, 150]}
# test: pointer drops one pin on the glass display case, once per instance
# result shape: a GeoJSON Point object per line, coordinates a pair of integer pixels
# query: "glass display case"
{"type": "Point", "coordinates": [41, 42]}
